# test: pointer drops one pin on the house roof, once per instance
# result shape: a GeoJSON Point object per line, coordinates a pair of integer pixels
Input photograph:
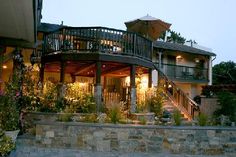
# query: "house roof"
{"type": "Point", "coordinates": [48, 27]}
{"type": "Point", "coordinates": [180, 47]}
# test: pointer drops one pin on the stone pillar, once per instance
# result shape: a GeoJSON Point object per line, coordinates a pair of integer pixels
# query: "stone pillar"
{"type": "Point", "coordinates": [98, 86]}
{"type": "Point", "coordinates": [132, 89]}
{"type": "Point", "coordinates": [61, 88]}
{"type": "Point", "coordinates": [210, 71]}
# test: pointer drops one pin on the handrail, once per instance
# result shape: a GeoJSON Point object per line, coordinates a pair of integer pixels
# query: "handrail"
{"type": "Point", "coordinates": [97, 39]}
{"type": "Point", "coordinates": [178, 97]}
{"type": "Point", "coordinates": [181, 72]}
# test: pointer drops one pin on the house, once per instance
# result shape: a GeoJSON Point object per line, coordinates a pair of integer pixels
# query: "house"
{"type": "Point", "coordinates": [114, 65]}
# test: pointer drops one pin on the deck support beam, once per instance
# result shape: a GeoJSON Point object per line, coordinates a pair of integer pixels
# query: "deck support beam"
{"type": "Point", "coordinates": [62, 88]}
{"type": "Point", "coordinates": [98, 86]}
{"type": "Point", "coordinates": [149, 78]}
{"type": "Point", "coordinates": [132, 89]}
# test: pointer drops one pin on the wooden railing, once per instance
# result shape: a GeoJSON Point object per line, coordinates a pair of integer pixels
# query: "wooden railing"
{"type": "Point", "coordinates": [97, 39]}
{"type": "Point", "coordinates": [185, 73]}
{"type": "Point", "coordinates": [178, 97]}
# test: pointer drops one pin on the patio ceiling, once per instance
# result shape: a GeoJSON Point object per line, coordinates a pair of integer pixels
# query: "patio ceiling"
{"type": "Point", "coordinates": [18, 22]}
{"type": "Point", "coordinates": [88, 69]}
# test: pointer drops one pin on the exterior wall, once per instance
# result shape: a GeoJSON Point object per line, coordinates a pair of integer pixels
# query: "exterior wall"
{"type": "Point", "coordinates": [191, 89]}
{"type": "Point", "coordinates": [208, 106]}
{"type": "Point", "coordinates": [127, 138]}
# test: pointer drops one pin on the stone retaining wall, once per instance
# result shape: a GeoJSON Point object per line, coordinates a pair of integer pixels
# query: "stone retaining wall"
{"type": "Point", "coordinates": [129, 138]}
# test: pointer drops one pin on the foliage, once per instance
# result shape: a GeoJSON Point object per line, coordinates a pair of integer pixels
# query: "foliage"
{"type": "Point", "coordinates": [114, 114]}
{"type": "Point", "coordinates": [156, 101]}
{"type": "Point", "coordinates": [143, 120]}
{"type": "Point", "coordinates": [174, 37]}
{"type": "Point", "coordinates": [202, 119]}
{"type": "Point", "coordinates": [6, 144]}
{"type": "Point", "coordinates": [92, 118]}
{"type": "Point", "coordinates": [224, 73]}
{"type": "Point", "coordinates": [227, 103]}
{"type": "Point", "coordinates": [9, 114]}
{"type": "Point", "coordinates": [177, 117]}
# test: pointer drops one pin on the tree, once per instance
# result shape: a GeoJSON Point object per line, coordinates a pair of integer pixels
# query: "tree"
{"type": "Point", "coordinates": [224, 73]}
{"type": "Point", "coordinates": [174, 37]}
{"type": "Point", "coordinates": [227, 103]}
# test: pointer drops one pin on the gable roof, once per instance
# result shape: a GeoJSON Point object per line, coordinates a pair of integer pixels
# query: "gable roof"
{"type": "Point", "coordinates": [182, 48]}
{"type": "Point", "coordinates": [48, 27]}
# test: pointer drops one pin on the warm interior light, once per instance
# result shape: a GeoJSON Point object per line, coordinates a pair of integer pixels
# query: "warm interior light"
{"type": "Point", "coordinates": [197, 60]}
{"type": "Point", "coordinates": [178, 57]}
{"type": "Point", "coordinates": [4, 67]}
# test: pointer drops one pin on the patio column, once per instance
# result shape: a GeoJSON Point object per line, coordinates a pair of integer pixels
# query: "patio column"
{"type": "Point", "coordinates": [61, 91]}
{"type": "Point", "coordinates": [132, 88]}
{"type": "Point", "coordinates": [98, 86]}
{"type": "Point", "coordinates": [41, 77]}
{"type": "Point", "coordinates": [149, 78]}
{"type": "Point", "coordinates": [159, 59]}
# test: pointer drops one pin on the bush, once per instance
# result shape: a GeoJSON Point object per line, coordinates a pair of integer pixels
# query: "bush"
{"type": "Point", "coordinates": [202, 119]}
{"type": "Point", "coordinates": [6, 144]}
{"type": "Point", "coordinates": [227, 103]}
{"type": "Point", "coordinates": [177, 117]}
{"type": "Point", "coordinates": [9, 115]}
{"type": "Point", "coordinates": [156, 102]}
{"type": "Point", "coordinates": [114, 114]}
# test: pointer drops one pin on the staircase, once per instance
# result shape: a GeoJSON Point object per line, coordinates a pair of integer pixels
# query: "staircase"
{"type": "Point", "coordinates": [177, 99]}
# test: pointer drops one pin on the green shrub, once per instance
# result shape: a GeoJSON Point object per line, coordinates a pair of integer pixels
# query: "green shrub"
{"type": "Point", "coordinates": [177, 117]}
{"type": "Point", "coordinates": [9, 115]}
{"type": "Point", "coordinates": [6, 144]}
{"type": "Point", "coordinates": [114, 114]}
{"type": "Point", "coordinates": [143, 121]}
{"type": "Point", "coordinates": [156, 102]}
{"type": "Point", "coordinates": [202, 119]}
{"type": "Point", "coordinates": [227, 103]}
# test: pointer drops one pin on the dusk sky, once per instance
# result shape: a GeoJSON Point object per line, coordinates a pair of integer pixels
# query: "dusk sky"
{"type": "Point", "coordinates": [211, 23]}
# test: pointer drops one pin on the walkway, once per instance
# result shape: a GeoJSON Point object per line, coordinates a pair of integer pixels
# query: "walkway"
{"type": "Point", "coordinates": [28, 151]}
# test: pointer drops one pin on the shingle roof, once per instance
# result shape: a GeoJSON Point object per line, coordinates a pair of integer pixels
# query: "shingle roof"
{"type": "Point", "coordinates": [180, 47]}
{"type": "Point", "coordinates": [48, 27]}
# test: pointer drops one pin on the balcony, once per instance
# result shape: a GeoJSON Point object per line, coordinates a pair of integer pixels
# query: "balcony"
{"type": "Point", "coordinates": [185, 73]}
{"type": "Point", "coordinates": [97, 40]}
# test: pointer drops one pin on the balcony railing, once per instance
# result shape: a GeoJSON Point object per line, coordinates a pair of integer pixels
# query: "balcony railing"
{"type": "Point", "coordinates": [97, 39]}
{"type": "Point", "coordinates": [185, 73]}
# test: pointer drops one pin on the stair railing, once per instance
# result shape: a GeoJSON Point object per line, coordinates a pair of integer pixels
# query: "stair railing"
{"type": "Point", "coordinates": [177, 96]}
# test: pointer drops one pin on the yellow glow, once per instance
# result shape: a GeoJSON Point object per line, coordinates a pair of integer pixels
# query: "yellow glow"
{"type": "Point", "coordinates": [169, 86]}
{"type": "Point", "coordinates": [4, 67]}
{"type": "Point", "coordinates": [179, 57]}
{"type": "Point", "coordinates": [127, 81]}
{"type": "Point", "coordinates": [144, 82]}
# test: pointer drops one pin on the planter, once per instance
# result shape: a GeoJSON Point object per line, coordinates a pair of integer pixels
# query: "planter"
{"type": "Point", "coordinates": [12, 134]}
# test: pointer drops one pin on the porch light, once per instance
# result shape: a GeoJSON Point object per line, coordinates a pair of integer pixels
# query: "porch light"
{"type": "Point", "coordinates": [169, 86]}
{"type": "Point", "coordinates": [4, 67]}
{"type": "Point", "coordinates": [197, 60]}
{"type": "Point", "coordinates": [179, 57]}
